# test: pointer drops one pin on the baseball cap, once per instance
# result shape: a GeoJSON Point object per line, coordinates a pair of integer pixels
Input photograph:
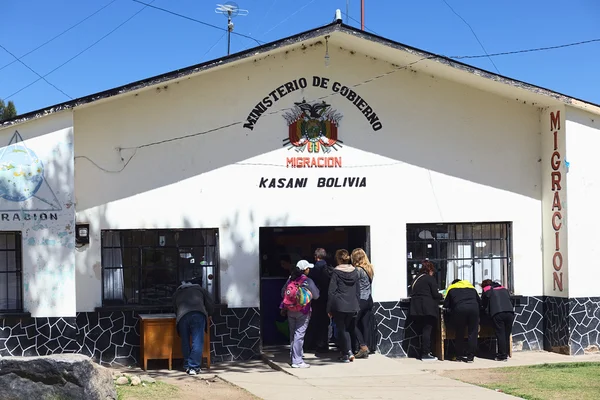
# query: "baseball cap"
{"type": "Point", "coordinates": [303, 264]}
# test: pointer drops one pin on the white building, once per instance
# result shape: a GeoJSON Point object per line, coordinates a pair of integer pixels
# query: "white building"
{"type": "Point", "coordinates": [221, 168]}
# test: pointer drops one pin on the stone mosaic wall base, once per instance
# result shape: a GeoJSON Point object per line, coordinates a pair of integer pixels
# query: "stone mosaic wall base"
{"type": "Point", "coordinates": [398, 338]}
{"type": "Point", "coordinates": [528, 328]}
{"type": "Point", "coordinates": [113, 338]}
{"type": "Point", "coordinates": [556, 324]}
{"type": "Point", "coordinates": [584, 325]}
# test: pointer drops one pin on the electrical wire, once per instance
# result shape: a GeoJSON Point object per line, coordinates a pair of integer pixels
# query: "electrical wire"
{"type": "Point", "coordinates": [59, 35]}
{"type": "Point", "coordinates": [135, 148]}
{"type": "Point", "coordinates": [213, 46]}
{"type": "Point", "coordinates": [358, 22]}
{"type": "Point", "coordinates": [198, 21]}
{"type": "Point", "coordinates": [506, 53]}
{"type": "Point", "coordinates": [474, 34]}
{"type": "Point", "coordinates": [191, 135]}
{"type": "Point", "coordinates": [35, 72]}
{"type": "Point", "coordinates": [108, 170]}
{"type": "Point", "coordinates": [290, 16]}
{"type": "Point", "coordinates": [80, 53]}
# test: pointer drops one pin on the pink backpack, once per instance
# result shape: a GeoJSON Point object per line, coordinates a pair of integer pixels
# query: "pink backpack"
{"type": "Point", "coordinates": [296, 295]}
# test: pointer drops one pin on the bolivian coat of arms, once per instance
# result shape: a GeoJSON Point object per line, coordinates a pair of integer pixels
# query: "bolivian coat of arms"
{"type": "Point", "coordinates": [313, 126]}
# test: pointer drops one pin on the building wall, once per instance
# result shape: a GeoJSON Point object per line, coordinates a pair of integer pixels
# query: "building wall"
{"type": "Point", "coordinates": [445, 153]}
{"type": "Point", "coordinates": [582, 141]}
{"type": "Point", "coordinates": [42, 209]}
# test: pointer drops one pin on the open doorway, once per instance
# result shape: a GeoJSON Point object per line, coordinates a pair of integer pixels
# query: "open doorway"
{"type": "Point", "coordinates": [297, 243]}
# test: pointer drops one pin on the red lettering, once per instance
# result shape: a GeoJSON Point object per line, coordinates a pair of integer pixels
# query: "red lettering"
{"type": "Point", "coordinates": [556, 225]}
{"type": "Point", "coordinates": [555, 160]}
{"type": "Point", "coordinates": [556, 177]}
{"type": "Point", "coordinates": [557, 261]}
{"type": "Point", "coordinates": [290, 162]}
{"type": "Point", "coordinates": [555, 121]}
{"type": "Point", "coordinates": [558, 281]}
{"type": "Point", "coordinates": [557, 240]}
{"type": "Point", "coordinates": [337, 162]}
{"type": "Point", "coordinates": [556, 202]}
{"type": "Point", "coordinates": [305, 162]}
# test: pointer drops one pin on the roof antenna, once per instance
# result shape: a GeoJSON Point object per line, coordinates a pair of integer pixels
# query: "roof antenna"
{"type": "Point", "coordinates": [362, 15]}
{"type": "Point", "coordinates": [347, 11]}
{"type": "Point", "coordinates": [230, 9]}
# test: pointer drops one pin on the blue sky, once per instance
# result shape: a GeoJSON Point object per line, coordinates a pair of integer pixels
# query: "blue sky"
{"type": "Point", "coordinates": [155, 42]}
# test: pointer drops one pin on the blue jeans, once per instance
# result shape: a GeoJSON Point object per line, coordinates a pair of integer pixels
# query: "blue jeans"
{"type": "Point", "coordinates": [192, 325]}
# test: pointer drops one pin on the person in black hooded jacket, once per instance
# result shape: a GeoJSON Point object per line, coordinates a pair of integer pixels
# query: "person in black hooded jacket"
{"type": "Point", "coordinates": [343, 302]}
{"type": "Point", "coordinates": [464, 303]}
{"type": "Point", "coordinates": [496, 302]}
{"type": "Point", "coordinates": [424, 307]}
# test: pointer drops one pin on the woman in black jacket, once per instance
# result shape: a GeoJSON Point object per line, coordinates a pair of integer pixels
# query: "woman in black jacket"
{"type": "Point", "coordinates": [424, 307]}
{"type": "Point", "coordinates": [342, 304]}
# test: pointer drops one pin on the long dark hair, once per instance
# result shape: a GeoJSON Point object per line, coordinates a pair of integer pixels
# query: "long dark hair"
{"type": "Point", "coordinates": [296, 273]}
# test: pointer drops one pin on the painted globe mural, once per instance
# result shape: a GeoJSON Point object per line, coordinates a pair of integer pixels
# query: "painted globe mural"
{"type": "Point", "coordinates": [21, 173]}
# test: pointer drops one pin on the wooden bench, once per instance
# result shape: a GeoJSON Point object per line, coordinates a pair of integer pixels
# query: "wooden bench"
{"type": "Point", "coordinates": [447, 333]}
{"type": "Point", "coordinates": [159, 340]}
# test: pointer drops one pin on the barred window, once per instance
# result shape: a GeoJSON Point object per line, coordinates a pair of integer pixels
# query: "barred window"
{"type": "Point", "coordinates": [473, 252]}
{"type": "Point", "coordinates": [145, 267]}
{"type": "Point", "coordinates": [11, 278]}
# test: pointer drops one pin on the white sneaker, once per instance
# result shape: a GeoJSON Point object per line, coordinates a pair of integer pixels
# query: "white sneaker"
{"type": "Point", "coordinates": [192, 372]}
{"type": "Point", "coordinates": [301, 365]}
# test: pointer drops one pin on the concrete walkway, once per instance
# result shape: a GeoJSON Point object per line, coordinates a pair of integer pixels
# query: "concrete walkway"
{"type": "Point", "coordinates": [378, 377]}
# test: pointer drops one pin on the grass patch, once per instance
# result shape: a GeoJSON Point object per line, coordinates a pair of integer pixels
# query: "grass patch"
{"type": "Point", "coordinates": [565, 381]}
{"type": "Point", "coordinates": [153, 391]}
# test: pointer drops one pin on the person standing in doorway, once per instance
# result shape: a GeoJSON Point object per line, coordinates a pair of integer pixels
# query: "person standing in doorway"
{"type": "Point", "coordinates": [193, 306]}
{"type": "Point", "coordinates": [464, 303]}
{"type": "Point", "coordinates": [495, 300]}
{"type": "Point", "coordinates": [343, 304]}
{"type": "Point", "coordinates": [298, 293]}
{"type": "Point", "coordinates": [424, 307]}
{"type": "Point", "coordinates": [318, 327]}
{"type": "Point", "coordinates": [365, 321]}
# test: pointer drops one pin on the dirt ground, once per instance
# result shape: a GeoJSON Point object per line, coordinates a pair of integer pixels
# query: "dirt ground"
{"type": "Point", "coordinates": [185, 388]}
{"type": "Point", "coordinates": [482, 377]}
{"type": "Point", "coordinates": [209, 389]}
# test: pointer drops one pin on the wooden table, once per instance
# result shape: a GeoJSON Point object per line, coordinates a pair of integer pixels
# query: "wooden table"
{"type": "Point", "coordinates": [445, 332]}
{"type": "Point", "coordinates": [159, 340]}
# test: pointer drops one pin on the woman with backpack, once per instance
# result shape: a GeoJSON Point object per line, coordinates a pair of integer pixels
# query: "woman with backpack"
{"type": "Point", "coordinates": [342, 304]}
{"type": "Point", "coordinates": [297, 294]}
{"type": "Point", "coordinates": [365, 323]}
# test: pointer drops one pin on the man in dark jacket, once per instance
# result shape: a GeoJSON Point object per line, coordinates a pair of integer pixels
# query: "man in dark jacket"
{"type": "Point", "coordinates": [342, 303]}
{"type": "Point", "coordinates": [463, 302]}
{"type": "Point", "coordinates": [193, 305]}
{"type": "Point", "coordinates": [496, 302]}
{"type": "Point", "coordinates": [424, 307]}
{"type": "Point", "coordinates": [317, 334]}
